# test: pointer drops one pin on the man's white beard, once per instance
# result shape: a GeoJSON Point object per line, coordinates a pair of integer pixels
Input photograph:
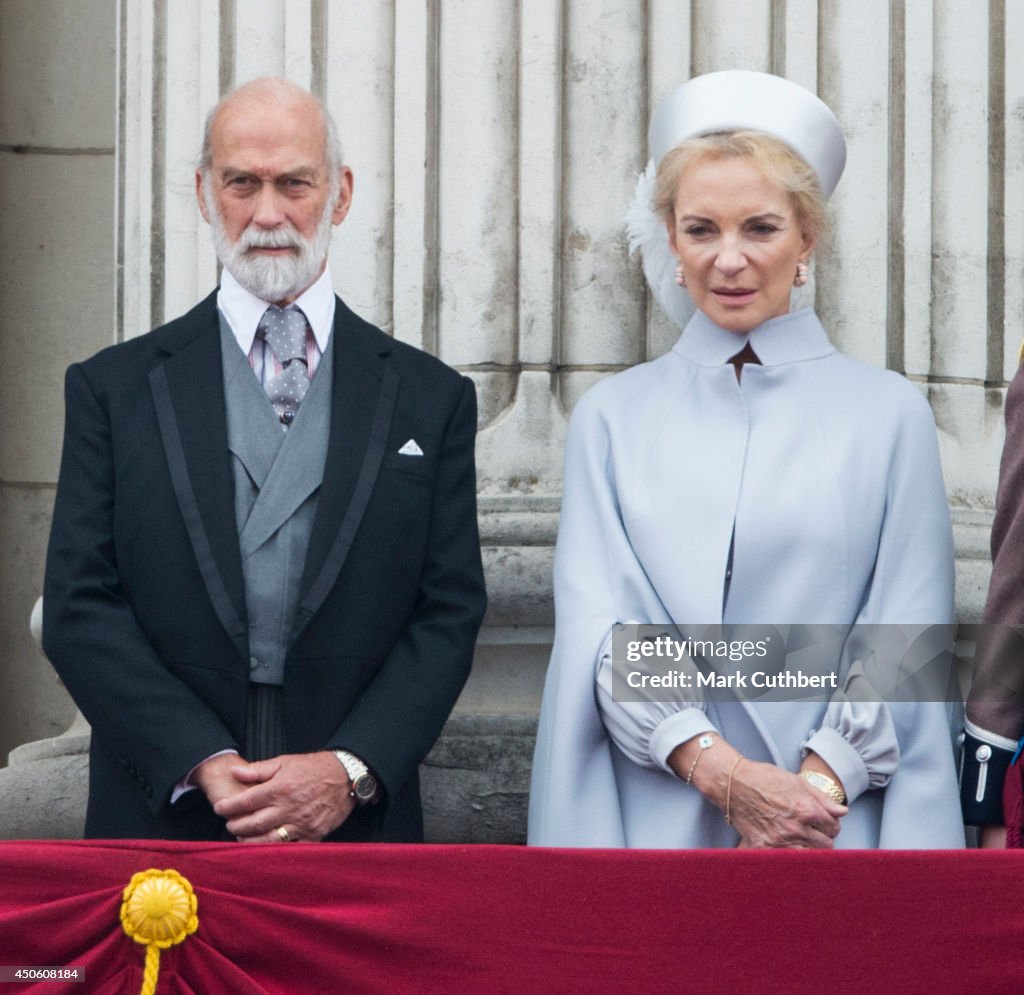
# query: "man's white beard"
{"type": "Point", "coordinates": [271, 278]}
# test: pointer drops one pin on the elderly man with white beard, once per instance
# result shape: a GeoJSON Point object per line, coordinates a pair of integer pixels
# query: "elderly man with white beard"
{"type": "Point", "coordinates": [263, 582]}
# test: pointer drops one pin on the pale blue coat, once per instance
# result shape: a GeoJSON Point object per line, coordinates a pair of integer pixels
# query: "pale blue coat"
{"type": "Point", "coordinates": [828, 469]}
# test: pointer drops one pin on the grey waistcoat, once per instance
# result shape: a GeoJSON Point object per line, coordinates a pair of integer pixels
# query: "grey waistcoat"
{"type": "Point", "coordinates": [277, 481]}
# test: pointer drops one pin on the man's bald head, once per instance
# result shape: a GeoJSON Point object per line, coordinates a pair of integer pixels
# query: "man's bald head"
{"type": "Point", "coordinates": [273, 93]}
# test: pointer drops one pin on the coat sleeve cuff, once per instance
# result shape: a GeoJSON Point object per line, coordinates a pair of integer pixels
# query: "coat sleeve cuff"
{"type": "Point", "coordinates": [676, 729]}
{"type": "Point", "coordinates": [983, 766]}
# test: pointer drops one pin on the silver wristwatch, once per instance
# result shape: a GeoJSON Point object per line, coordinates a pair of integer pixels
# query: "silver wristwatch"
{"type": "Point", "coordinates": [362, 784]}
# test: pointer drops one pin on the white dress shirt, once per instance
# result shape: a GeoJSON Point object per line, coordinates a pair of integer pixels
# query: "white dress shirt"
{"type": "Point", "coordinates": [243, 311]}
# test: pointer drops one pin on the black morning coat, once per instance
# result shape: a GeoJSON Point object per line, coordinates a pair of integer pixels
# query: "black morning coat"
{"type": "Point", "coordinates": [144, 606]}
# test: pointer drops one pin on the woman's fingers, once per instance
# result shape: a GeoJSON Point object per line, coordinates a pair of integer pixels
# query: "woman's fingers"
{"type": "Point", "coordinates": [773, 808]}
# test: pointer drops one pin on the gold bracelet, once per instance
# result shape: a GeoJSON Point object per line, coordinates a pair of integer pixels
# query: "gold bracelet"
{"type": "Point", "coordinates": [728, 790]}
{"type": "Point", "coordinates": [704, 743]}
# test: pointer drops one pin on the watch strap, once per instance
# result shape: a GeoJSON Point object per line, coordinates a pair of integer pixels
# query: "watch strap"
{"type": "Point", "coordinates": [357, 772]}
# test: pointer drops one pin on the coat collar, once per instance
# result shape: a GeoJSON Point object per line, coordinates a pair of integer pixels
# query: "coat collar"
{"type": "Point", "coordinates": [789, 338]}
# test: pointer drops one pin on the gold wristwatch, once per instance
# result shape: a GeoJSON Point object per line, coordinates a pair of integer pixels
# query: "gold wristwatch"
{"type": "Point", "coordinates": [825, 783]}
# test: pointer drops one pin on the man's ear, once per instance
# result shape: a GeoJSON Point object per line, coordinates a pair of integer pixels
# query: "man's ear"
{"type": "Point", "coordinates": [343, 201]}
{"type": "Point", "coordinates": [200, 197]}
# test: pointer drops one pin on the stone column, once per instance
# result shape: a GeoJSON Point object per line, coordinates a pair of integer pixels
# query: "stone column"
{"type": "Point", "coordinates": [57, 104]}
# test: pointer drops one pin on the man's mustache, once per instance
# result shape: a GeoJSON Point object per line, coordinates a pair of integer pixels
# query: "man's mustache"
{"type": "Point", "coordinates": [275, 238]}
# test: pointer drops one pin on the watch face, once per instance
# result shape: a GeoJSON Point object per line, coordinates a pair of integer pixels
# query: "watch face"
{"type": "Point", "coordinates": [365, 787]}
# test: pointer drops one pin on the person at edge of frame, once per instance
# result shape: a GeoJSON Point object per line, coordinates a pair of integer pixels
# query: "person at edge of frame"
{"type": "Point", "coordinates": [990, 780]}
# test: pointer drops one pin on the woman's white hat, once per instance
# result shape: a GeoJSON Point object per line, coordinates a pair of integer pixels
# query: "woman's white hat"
{"type": "Point", "coordinates": [732, 100]}
{"type": "Point", "coordinates": [737, 100]}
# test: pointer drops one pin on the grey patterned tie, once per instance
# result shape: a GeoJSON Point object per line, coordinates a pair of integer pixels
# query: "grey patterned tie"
{"type": "Point", "coordinates": [285, 332]}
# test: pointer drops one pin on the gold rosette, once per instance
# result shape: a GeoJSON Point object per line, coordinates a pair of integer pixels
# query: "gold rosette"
{"type": "Point", "coordinates": [158, 910]}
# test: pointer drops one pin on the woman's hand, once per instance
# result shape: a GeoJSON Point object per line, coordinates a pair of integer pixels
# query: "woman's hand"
{"type": "Point", "coordinates": [771, 807]}
{"type": "Point", "coordinates": [768, 806]}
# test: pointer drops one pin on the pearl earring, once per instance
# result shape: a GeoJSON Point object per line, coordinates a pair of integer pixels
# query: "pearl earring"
{"type": "Point", "coordinates": [801, 275]}
{"type": "Point", "coordinates": [680, 275]}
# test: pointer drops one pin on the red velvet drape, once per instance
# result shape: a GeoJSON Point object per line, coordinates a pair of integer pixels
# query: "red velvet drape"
{"type": "Point", "coordinates": [294, 918]}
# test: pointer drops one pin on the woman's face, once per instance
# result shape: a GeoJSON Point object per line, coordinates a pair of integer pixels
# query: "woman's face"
{"type": "Point", "coordinates": [738, 240]}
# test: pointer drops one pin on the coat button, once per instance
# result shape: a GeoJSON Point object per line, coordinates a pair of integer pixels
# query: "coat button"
{"type": "Point", "coordinates": [287, 416]}
{"type": "Point", "coordinates": [984, 752]}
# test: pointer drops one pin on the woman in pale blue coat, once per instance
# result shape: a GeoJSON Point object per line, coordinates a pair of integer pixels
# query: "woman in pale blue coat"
{"type": "Point", "coordinates": [751, 475]}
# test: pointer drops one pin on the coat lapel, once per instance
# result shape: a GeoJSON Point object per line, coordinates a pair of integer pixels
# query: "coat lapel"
{"type": "Point", "coordinates": [365, 388]}
{"type": "Point", "coordinates": [188, 392]}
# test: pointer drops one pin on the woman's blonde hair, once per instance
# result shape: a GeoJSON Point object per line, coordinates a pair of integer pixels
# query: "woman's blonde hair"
{"type": "Point", "coordinates": [775, 158]}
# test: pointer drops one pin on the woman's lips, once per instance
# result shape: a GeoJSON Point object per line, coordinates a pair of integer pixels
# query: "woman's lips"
{"type": "Point", "coordinates": [734, 297]}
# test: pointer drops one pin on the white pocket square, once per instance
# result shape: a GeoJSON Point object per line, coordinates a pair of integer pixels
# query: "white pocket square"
{"type": "Point", "coordinates": [411, 448]}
